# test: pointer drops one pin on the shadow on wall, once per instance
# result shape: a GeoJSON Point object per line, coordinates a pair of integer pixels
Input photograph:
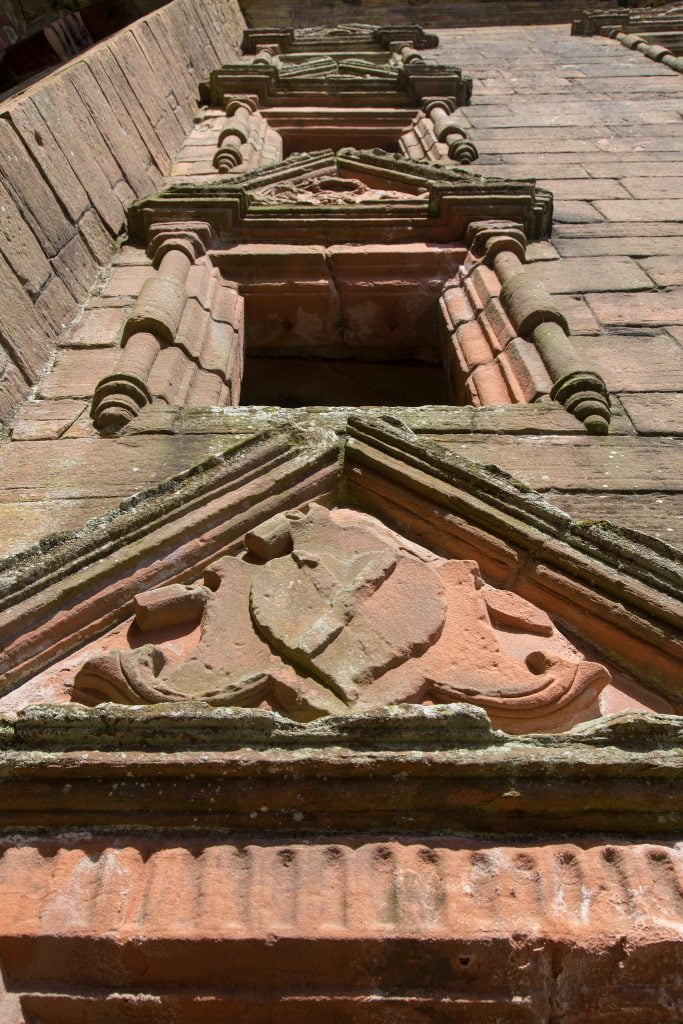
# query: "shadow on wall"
{"type": "Point", "coordinates": [50, 33]}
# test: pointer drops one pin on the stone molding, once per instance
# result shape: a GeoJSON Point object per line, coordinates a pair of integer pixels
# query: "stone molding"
{"type": "Point", "coordinates": [249, 769]}
{"type": "Point", "coordinates": [114, 928]}
{"type": "Point", "coordinates": [340, 37]}
{"type": "Point", "coordinates": [619, 590]}
{"type": "Point", "coordinates": [644, 29]}
{"type": "Point", "coordinates": [454, 198]}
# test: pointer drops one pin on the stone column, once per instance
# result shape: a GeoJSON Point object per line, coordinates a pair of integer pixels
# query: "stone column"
{"type": "Point", "coordinates": [235, 133]}
{"type": "Point", "coordinates": [408, 54]}
{"type": "Point", "coordinates": [152, 324]}
{"type": "Point", "coordinates": [266, 54]}
{"type": "Point", "coordinates": [447, 130]}
{"type": "Point", "coordinates": [536, 316]}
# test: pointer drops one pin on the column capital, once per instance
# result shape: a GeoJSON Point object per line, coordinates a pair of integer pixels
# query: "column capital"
{"type": "Point", "coordinates": [486, 238]}
{"type": "Point", "coordinates": [191, 237]}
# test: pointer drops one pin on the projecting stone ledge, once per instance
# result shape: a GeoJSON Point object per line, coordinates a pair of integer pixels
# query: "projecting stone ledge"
{"type": "Point", "coordinates": [410, 770]}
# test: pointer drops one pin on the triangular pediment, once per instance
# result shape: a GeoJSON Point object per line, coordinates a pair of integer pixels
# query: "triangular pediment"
{"type": "Point", "coordinates": [347, 35]}
{"type": "Point", "coordinates": [431, 522]}
{"type": "Point", "coordinates": [326, 82]}
{"type": "Point", "coordinates": [430, 200]}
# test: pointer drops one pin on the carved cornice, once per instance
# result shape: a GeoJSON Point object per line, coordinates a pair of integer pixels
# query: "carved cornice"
{"type": "Point", "coordinates": [656, 32]}
{"type": "Point", "coordinates": [440, 201]}
{"type": "Point", "coordinates": [594, 21]}
{"type": "Point", "coordinates": [170, 768]}
{"type": "Point", "coordinates": [351, 36]}
{"type": "Point", "coordinates": [347, 83]}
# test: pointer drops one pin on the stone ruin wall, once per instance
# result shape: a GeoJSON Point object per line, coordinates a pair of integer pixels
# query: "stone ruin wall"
{"type": "Point", "coordinates": [78, 147]}
{"type": "Point", "coordinates": [595, 123]}
{"type": "Point", "coordinates": [281, 878]}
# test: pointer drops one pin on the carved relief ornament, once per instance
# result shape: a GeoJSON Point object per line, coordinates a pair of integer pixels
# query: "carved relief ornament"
{"type": "Point", "coordinates": [331, 613]}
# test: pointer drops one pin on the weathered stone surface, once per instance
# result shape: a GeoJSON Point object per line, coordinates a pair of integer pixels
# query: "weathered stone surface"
{"type": "Point", "coordinates": [640, 309]}
{"type": "Point", "coordinates": [23, 523]}
{"type": "Point", "coordinates": [664, 270]}
{"type": "Point", "coordinates": [637, 362]}
{"type": "Point", "coordinates": [659, 513]}
{"type": "Point", "coordinates": [99, 326]}
{"type": "Point", "coordinates": [608, 464]}
{"type": "Point", "coordinates": [356, 612]}
{"type": "Point", "coordinates": [591, 274]}
{"type": "Point", "coordinates": [655, 413]}
{"type": "Point", "coordinates": [641, 209]}
{"type": "Point", "coordinates": [72, 468]}
{"type": "Point", "coordinates": [72, 151]}
{"type": "Point", "coordinates": [45, 420]}
{"type": "Point", "coordinates": [77, 371]}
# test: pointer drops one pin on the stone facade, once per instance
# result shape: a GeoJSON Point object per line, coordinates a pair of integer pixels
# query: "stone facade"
{"type": "Point", "coordinates": [340, 602]}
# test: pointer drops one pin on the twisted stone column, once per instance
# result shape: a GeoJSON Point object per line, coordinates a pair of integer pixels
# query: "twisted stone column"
{"type": "Point", "coordinates": [447, 130]}
{"type": "Point", "coordinates": [152, 324]}
{"type": "Point", "coordinates": [235, 133]}
{"type": "Point", "coordinates": [536, 316]}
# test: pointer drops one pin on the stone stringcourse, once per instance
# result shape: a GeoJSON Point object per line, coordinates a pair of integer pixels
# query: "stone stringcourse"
{"type": "Point", "coordinates": [618, 775]}
{"type": "Point", "coordinates": [656, 32]}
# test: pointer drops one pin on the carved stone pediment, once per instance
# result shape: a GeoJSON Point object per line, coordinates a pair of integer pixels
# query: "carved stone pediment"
{"type": "Point", "coordinates": [438, 633]}
{"type": "Point", "coordinates": [326, 190]}
{"type": "Point", "coordinates": [356, 35]}
{"type": "Point", "coordinates": [352, 82]}
{"type": "Point", "coordinates": [439, 202]}
{"type": "Point", "coordinates": [331, 612]}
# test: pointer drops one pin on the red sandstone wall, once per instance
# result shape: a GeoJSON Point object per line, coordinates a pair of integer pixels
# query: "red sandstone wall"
{"type": "Point", "coordinates": [77, 147]}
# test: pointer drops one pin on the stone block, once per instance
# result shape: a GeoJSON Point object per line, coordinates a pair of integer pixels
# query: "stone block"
{"type": "Point", "coordinates": [591, 274]}
{"type": "Point", "coordinates": [21, 247]}
{"type": "Point", "coordinates": [77, 372]}
{"type": "Point", "coordinates": [665, 270]}
{"type": "Point", "coordinates": [25, 332]}
{"type": "Point", "coordinates": [32, 194]}
{"type": "Point", "coordinates": [640, 209]}
{"type": "Point", "coordinates": [576, 212]}
{"type": "Point", "coordinates": [57, 305]}
{"type": "Point", "coordinates": [617, 464]}
{"type": "Point", "coordinates": [584, 188]}
{"type": "Point", "coordinates": [74, 266]}
{"type": "Point", "coordinates": [37, 136]}
{"type": "Point", "coordinates": [632, 363]}
{"type": "Point", "coordinates": [638, 309]}
{"type": "Point", "coordinates": [98, 327]}
{"type": "Point", "coordinates": [128, 280]}
{"type": "Point", "coordinates": [45, 420]}
{"type": "Point", "coordinates": [660, 188]}
{"type": "Point", "coordinates": [655, 413]}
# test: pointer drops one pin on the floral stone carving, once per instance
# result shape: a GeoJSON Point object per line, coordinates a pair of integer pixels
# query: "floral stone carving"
{"type": "Point", "coordinates": [331, 612]}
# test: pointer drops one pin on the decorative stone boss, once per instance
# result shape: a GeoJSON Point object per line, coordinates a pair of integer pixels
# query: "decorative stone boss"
{"type": "Point", "coordinates": [332, 612]}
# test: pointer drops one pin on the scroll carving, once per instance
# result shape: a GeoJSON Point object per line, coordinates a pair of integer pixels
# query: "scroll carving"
{"type": "Point", "coordinates": [331, 613]}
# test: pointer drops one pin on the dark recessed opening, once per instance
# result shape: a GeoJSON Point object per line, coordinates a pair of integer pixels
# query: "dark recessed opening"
{"type": "Point", "coordinates": [347, 324]}
{"type": "Point", "coordinates": [293, 382]}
